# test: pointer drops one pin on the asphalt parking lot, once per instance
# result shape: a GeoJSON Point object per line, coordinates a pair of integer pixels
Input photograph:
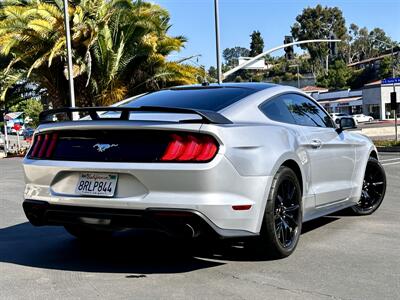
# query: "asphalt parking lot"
{"type": "Point", "coordinates": [339, 257]}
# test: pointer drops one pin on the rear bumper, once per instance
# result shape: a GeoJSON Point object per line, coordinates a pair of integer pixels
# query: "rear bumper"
{"type": "Point", "coordinates": [172, 221]}
{"type": "Point", "coordinates": [210, 189]}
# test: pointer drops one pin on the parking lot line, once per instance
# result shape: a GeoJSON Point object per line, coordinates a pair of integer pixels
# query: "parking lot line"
{"type": "Point", "coordinates": [390, 159]}
{"type": "Point", "coordinates": [392, 163]}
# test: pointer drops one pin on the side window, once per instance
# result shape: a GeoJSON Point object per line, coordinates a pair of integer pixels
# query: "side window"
{"type": "Point", "coordinates": [276, 110]}
{"type": "Point", "coordinates": [306, 113]}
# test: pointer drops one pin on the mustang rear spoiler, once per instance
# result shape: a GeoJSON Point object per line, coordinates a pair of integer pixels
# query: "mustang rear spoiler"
{"type": "Point", "coordinates": [53, 115]}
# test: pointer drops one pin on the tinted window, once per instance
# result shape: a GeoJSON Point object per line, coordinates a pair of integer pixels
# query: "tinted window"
{"type": "Point", "coordinates": [209, 98]}
{"type": "Point", "coordinates": [305, 112]}
{"type": "Point", "coordinates": [276, 110]}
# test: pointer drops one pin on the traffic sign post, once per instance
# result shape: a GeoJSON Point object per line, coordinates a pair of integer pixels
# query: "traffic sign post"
{"type": "Point", "coordinates": [393, 106]}
{"type": "Point", "coordinates": [17, 128]}
{"type": "Point", "coordinates": [393, 99]}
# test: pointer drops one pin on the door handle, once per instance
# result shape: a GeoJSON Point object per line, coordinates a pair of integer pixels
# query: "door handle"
{"type": "Point", "coordinates": [316, 144]}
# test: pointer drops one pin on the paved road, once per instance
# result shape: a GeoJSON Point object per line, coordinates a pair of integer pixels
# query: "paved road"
{"type": "Point", "coordinates": [339, 257]}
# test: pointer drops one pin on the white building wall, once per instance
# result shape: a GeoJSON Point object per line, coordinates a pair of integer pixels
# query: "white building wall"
{"type": "Point", "coordinates": [378, 95]}
{"type": "Point", "coordinates": [385, 96]}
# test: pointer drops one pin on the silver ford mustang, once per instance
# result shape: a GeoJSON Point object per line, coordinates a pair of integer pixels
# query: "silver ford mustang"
{"type": "Point", "coordinates": [231, 160]}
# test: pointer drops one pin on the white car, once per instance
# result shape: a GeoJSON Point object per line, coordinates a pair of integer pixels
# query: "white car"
{"type": "Point", "coordinates": [360, 118]}
{"type": "Point", "coordinates": [231, 160]}
{"type": "Point", "coordinates": [337, 116]}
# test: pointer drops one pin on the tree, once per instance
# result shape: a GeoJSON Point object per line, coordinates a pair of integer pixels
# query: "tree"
{"type": "Point", "coordinates": [318, 23]}
{"type": "Point", "coordinates": [364, 44]}
{"type": "Point", "coordinates": [386, 67]}
{"type": "Point", "coordinates": [256, 44]}
{"type": "Point", "coordinates": [31, 108]}
{"type": "Point", "coordinates": [212, 73]}
{"type": "Point", "coordinates": [231, 55]}
{"type": "Point", "coordinates": [119, 49]}
{"type": "Point", "coordinates": [337, 78]}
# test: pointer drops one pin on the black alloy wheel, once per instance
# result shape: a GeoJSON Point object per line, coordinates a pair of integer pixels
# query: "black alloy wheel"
{"type": "Point", "coordinates": [283, 216]}
{"type": "Point", "coordinates": [373, 188]}
{"type": "Point", "coordinates": [286, 213]}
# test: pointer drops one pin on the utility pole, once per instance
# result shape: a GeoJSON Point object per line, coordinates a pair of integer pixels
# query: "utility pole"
{"type": "Point", "coordinates": [6, 143]}
{"type": "Point", "coordinates": [217, 46]}
{"type": "Point", "coordinates": [327, 64]}
{"type": "Point", "coordinates": [69, 55]}
{"type": "Point", "coordinates": [394, 91]}
{"type": "Point", "coordinates": [298, 74]}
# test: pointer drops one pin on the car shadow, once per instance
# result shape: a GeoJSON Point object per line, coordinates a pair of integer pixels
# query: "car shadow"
{"type": "Point", "coordinates": [317, 223]}
{"type": "Point", "coordinates": [139, 253]}
{"type": "Point", "coordinates": [53, 248]}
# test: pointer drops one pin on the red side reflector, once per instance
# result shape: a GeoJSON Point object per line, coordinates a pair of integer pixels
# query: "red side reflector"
{"type": "Point", "coordinates": [241, 207]}
{"type": "Point", "coordinates": [52, 145]}
{"type": "Point", "coordinates": [36, 147]}
{"type": "Point", "coordinates": [44, 146]}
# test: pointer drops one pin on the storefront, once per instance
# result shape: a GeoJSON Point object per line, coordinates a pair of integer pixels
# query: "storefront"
{"type": "Point", "coordinates": [350, 105]}
{"type": "Point", "coordinates": [376, 100]}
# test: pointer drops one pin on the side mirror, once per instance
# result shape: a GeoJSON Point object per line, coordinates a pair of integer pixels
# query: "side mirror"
{"type": "Point", "coordinates": [346, 123]}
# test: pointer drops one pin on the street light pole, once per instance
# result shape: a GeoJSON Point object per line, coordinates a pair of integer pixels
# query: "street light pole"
{"type": "Point", "coordinates": [257, 57]}
{"type": "Point", "coordinates": [394, 86]}
{"type": "Point", "coordinates": [217, 46]}
{"type": "Point", "coordinates": [298, 74]}
{"type": "Point", "coordinates": [69, 55]}
{"type": "Point", "coordinates": [394, 90]}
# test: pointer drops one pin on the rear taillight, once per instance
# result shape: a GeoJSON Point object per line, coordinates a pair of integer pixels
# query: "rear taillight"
{"type": "Point", "coordinates": [190, 148]}
{"type": "Point", "coordinates": [44, 145]}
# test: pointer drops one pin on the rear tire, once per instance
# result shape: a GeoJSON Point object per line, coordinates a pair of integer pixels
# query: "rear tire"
{"type": "Point", "coordinates": [83, 232]}
{"type": "Point", "coordinates": [373, 190]}
{"type": "Point", "coordinates": [281, 228]}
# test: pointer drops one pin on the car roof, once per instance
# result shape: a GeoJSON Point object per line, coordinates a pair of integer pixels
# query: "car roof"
{"type": "Point", "coordinates": [256, 86]}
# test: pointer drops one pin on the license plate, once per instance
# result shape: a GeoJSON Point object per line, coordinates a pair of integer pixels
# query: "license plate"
{"type": "Point", "coordinates": [97, 184]}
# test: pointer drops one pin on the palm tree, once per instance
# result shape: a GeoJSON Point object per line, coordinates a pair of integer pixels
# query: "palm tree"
{"type": "Point", "coordinates": [120, 48]}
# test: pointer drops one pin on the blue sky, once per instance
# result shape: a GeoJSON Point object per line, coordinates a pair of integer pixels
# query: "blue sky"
{"type": "Point", "coordinates": [238, 18]}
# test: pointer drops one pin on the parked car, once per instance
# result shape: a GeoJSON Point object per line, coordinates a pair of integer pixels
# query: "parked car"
{"type": "Point", "coordinates": [360, 118]}
{"type": "Point", "coordinates": [230, 160]}
{"type": "Point", "coordinates": [337, 116]}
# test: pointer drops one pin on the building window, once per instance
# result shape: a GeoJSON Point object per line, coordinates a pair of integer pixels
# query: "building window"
{"type": "Point", "coordinates": [388, 110]}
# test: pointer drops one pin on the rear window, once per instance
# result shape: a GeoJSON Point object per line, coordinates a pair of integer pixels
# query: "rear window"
{"type": "Point", "coordinates": [213, 99]}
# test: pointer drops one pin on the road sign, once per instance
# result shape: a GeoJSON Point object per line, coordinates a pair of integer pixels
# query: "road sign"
{"type": "Point", "coordinates": [17, 127]}
{"type": "Point", "coordinates": [391, 80]}
{"type": "Point", "coordinates": [257, 65]}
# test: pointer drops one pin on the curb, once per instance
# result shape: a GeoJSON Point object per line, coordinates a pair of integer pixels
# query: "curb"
{"type": "Point", "coordinates": [388, 149]}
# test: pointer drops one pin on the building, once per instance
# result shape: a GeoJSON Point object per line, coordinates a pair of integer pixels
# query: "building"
{"type": "Point", "coordinates": [376, 100]}
{"type": "Point", "coordinates": [310, 89]}
{"type": "Point", "coordinates": [344, 101]}
{"type": "Point", "coordinates": [372, 100]}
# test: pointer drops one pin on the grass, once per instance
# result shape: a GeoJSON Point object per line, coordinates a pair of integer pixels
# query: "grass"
{"type": "Point", "coordinates": [387, 143]}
